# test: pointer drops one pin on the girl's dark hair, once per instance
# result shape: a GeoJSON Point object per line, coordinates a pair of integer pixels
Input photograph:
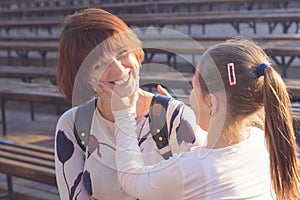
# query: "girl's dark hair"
{"type": "Point", "coordinates": [81, 32]}
{"type": "Point", "coordinates": [251, 94]}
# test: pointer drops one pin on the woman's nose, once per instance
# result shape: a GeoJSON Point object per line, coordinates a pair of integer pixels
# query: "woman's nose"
{"type": "Point", "coordinates": [116, 67]}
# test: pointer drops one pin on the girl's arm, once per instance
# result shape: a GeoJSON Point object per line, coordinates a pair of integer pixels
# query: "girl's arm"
{"type": "Point", "coordinates": [160, 181]}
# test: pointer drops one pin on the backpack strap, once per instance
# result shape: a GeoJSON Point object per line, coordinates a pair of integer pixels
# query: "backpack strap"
{"type": "Point", "coordinates": [83, 121]}
{"type": "Point", "coordinates": [158, 125]}
{"type": "Point", "coordinates": [157, 120]}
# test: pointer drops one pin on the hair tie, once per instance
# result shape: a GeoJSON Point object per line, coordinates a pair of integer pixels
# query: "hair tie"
{"type": "Point", "coordinates": [261, 69]}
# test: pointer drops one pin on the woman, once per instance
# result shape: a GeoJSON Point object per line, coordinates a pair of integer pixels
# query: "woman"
{"type": "Point", "coordinates": [97, 46]}
{"type": "Point", "coordinates": [234, 83]}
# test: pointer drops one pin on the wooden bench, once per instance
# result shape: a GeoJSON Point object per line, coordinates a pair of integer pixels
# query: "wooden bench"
{"type": "Point", "coordinates": [283, 51]}
{"type": "Point", "coordinates": [49, 94]}
{"type": "Point", "coordinates": [29, 38]}
{"type": "Point", "coordinates": [27, 73]}
{"type": "Point", "coordinates": [30, 162]}
{"type": "Point", "coordinates": [161, 37]}
{"type": "Point", "coordinates": [174, 6]}
{"type": "Point", "coordinates": [62, 10]}
{"type": "Point", "coordinates": [23, 48]}
{"type": "Point", "coordinates": [217, 4]}
{"type": "Point", "coordinates": [182, 80]}
{"type": "Point", "coordinates": [27, 9]}
{"type": "Point", "coordinates": [29, 92]}
{"type": "Point", "coordinates": [206, 13]}
{"type": "Point", "coordinates": [44, 8]}
{"type": "Point", "coordinates": [12, 4]}
{"type": "Point", "coordinates": [234, 19]}
{"type": "Point", "coordinates": [296, 114]}
{"type": "Point", "coordinates": [174, 80]}
{"type": "Point", "coordinates": [32, 24]}
{"type": "Point", "coordinates": [296, 122]}
{"type": "Point", "coordinates": [293, 86]}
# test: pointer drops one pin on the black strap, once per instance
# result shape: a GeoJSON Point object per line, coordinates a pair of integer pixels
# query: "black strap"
{"type": "Point", "coordinates": [83, 121]}
{"type": "Point", "coordinates": [157, 120]}
{"type": "Point", "coordinates": [158, 125]}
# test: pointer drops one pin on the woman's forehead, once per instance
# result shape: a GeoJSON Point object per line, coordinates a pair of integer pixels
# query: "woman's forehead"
{"type": "Point", "coordinates": [114, 47]}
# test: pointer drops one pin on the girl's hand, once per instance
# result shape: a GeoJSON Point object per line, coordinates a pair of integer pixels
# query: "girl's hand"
{"type": "Point", "coordinates": [163, 91]}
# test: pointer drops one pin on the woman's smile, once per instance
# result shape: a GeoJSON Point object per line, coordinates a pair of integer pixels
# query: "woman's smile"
{"type": "Point", "coordinates": [123, 80]}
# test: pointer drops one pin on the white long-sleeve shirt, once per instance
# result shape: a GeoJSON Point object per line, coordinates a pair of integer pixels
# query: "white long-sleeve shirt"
{"type": "Point", "coordinates": [92, 174]}
{"type": "Point", "coordinates": [239, 171]}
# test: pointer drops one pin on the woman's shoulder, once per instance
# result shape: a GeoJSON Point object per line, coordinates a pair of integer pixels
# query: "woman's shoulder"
{"type": "Point", "coordinates": [67, 118]}
{"type": "Point", "coordinates": [178, 107]}
{"type": "Point", "coordinates": [183, 126]}
{"type": "Point", "coordinates": [176, 102]}
{"type": "Point", "coordinates": [175, 106]}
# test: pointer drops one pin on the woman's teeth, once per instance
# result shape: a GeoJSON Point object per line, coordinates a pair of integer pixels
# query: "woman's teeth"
{"type": "Point", "coordinates": [122, 80]}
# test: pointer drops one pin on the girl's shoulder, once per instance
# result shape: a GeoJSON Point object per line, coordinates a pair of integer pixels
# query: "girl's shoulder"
{"type": "Point", "coordinates": [256, 132]}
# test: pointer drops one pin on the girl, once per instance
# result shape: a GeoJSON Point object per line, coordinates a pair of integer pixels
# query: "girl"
{"type": "Point", "coordinates": [233, 84]}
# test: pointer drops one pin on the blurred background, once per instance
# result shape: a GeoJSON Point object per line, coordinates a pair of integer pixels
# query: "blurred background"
{"type": "Point", "coordinates": [174, 35]}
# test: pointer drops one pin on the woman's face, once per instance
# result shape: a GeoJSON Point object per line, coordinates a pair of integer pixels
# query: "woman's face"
{"type": "Point", "coordinates": [200, 104]}
{"type": "Point", "coordinates": [119, 71]}
{"type": "Point", "coordinates": [119, 68]}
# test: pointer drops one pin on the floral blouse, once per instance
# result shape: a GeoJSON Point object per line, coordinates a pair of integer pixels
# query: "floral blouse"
{"type": "Point", "coordinates": [92, 174]}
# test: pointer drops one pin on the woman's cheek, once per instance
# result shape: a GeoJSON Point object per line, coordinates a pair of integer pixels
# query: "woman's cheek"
{"type": "Point", "coordinates": [133, 60]}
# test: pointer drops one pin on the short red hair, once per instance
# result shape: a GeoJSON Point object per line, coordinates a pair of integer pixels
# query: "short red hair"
{"type": "Point", "coordinates": [81, 32]}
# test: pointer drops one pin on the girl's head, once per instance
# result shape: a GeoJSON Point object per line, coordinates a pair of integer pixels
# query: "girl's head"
{"type": "Point", "coordinates": [242, 70]}
{"type": "Point", "coordinates": [246, 96]}
{"type": "Point", "coordinates": [82, 33]}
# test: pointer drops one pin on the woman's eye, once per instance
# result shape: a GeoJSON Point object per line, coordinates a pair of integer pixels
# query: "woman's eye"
{"type": "Point", "coordinates": [121, 53]}
{"type": "Point", "coordinates": [98, 66]}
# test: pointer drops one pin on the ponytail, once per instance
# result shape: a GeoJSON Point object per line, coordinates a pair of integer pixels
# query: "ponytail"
{"type": "Point", "coordinates": [280, 137]}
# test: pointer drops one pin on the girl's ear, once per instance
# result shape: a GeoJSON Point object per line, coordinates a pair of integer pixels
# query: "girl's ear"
{"type": "Point", "coordinates": [212, 101]}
